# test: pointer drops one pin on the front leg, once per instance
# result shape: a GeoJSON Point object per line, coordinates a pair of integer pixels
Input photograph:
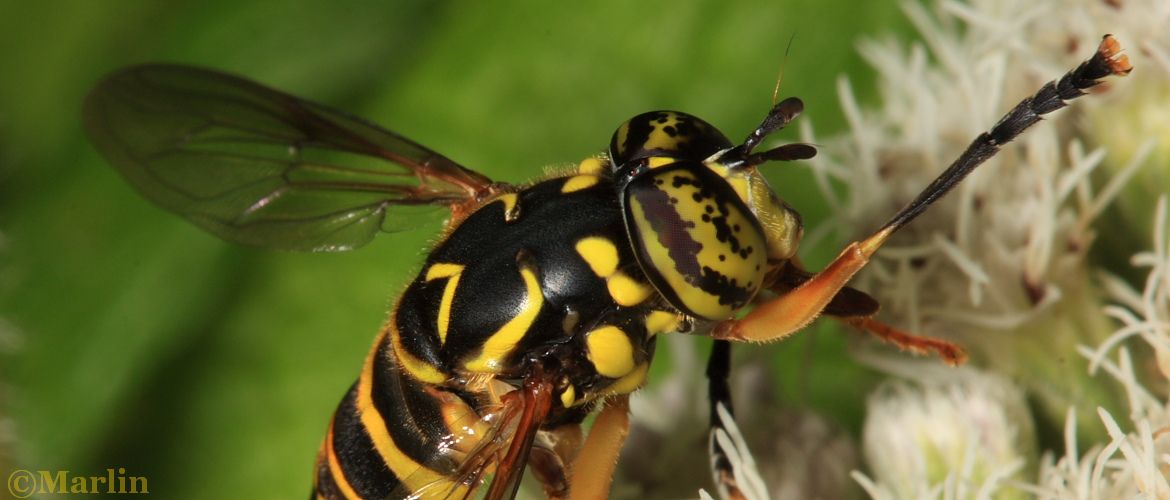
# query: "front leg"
{"type": "Point", "coordinates": [859, 310]}
{"type": "Point", "coordinates": [549, 464]}
{"type": "Point", "coordinates": [592, 471]}
{"type": "Point", "coordinates": [793, 311]}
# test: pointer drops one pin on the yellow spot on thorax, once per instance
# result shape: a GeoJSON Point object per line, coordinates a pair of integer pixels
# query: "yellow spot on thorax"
{"type": "Point", "coordinates": [451, 272]}
{"type": "Point", "coordinates": [579, 182]}
{"type": "Point", "coordinates": [591, 166]}
{"type": "Point", "coordinates": [600, 254]}
{"type": "Point", "coordinates": [627, 291]}
{"type": "Point", "coordinates": [663, 322]}
{"type": "Point", "coordinates": [500, 344]}
{"type": "Point", "coordinates": [631, 382]}
{"type": "Point", "coordinates": [569, 396]}
{"type": "Point", "coordinates": [610, 351]}
{"type": "Point", "coordinates": [509, 201]}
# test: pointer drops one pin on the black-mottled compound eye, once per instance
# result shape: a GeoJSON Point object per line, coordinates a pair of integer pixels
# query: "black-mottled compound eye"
{"type": "Point", "coordinates": [665, 133]}
{"type": "Point", "coordinates": [695, 238]}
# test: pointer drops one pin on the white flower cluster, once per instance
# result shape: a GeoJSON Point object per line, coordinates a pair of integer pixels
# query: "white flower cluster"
{"type": "Point", "coordinates": [1003, 264]}
{"type": "Point", "coordinates": [1135, 462]}
{"type": "Point", "coordinates": [945, 434]}
{"type": "Point", "coordinates": [960, 435]}
{"type": "Point", "coordinates": [1011, 240]}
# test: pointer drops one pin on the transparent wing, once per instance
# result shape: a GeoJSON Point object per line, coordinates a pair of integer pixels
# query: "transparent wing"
{"type": "Point", "coordinates": [260, 167]}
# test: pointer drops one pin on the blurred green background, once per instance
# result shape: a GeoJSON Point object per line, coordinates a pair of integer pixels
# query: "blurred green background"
{"type": "Point", "coordinates": [128, 338]}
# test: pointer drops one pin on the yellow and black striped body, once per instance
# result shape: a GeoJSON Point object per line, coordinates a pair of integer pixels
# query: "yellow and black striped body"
{"type": "Point", "coordinates": [540, 301]}
{"type": "Point", "coordinates": [568, 282]}
{"type": "Point", "coordinates": [543, 275]}
{"type": "Point", "coordinates": [576, 274]}
{"type": "Point", "coordinates": [384, 440]}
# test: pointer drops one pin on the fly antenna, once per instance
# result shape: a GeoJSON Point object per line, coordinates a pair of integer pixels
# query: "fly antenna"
{"type": "Point", "coordinates": [781, 114]}
{"type": "Point", "coordinates": [778, 117]}
{"type": "Point", "coordinates": [783, 64]}
{"type": "Point", "coordinates": [1107, 61]}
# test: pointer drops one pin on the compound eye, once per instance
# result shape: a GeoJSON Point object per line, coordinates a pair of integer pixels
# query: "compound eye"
{"type": "Point", "coordinates": [697, 242]}
{"type": "Point", "coordinates": [665, 133]}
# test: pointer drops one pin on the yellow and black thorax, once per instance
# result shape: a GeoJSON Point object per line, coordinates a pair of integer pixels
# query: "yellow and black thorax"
{"type": "Point", "coordinates": [546, 272]}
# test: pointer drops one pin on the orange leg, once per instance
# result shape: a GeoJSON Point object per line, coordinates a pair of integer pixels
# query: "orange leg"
{"type": "Point", "coordinates": [549, 470]}
{"type": "Point", "coordinates": [794, 310]}
{"type": "Point", "coordinates": [548, 465]}
{"type": "Point", "coordinates": [791, 312]}
{"type": "Point", "coordinates": [950, 353]}
{"type": "Point", "coordinates": [592, 471]}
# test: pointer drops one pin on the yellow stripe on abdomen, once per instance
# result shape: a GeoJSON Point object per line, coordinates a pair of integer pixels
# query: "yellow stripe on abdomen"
{"type": "Point", "coordinates": [417, 368]}
{"type": "Point", "coordinates": [413, 475]}
{"type": "Point", "coordinates": [335, 468]}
